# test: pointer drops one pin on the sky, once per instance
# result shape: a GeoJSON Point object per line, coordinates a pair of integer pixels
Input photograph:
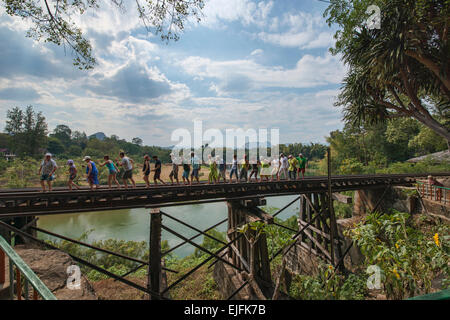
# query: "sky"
{"type": "Point", "coordinates": [247, 64]}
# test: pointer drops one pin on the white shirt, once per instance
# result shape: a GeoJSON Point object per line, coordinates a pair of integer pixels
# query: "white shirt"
{"type": "Point", "coordinates": [48, 166]}
{"type": "Point", "coordinates": [284, 163]}
{"type": "Point", "coordinates": [126, 164]}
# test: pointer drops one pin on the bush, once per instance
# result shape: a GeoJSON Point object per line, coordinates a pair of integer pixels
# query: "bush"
{"type": "Point", "coordinates": [408, 258]}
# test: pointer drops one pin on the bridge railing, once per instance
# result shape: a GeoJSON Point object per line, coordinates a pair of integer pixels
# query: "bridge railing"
{"type": "Point", "coordinates": [433, 192]}
{"type": "Point", "coordinates": [21, 269]}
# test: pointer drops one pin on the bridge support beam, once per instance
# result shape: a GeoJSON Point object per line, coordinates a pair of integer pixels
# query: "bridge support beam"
{"type": "Point", "coordinates": [154, 266]}
{"type": "Point", "coordinates": [252, 257]}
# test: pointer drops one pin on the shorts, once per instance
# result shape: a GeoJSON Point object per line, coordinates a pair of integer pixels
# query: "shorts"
{"type": "Point", "coordinates": [174, 173]}
{"type": "Point", "coordinates": [157, 174]}
{"type": "Point", "coordinates": [112, 171]}
{"type": "Point", "coordinates": [186, 174]}
{"type": "Point", "coordinates": [194, 173]}
{"type": "Point", "coordinates": [47, 177]}
{"type": "Point", "coordinates": [292, 174]}
{"type": "Point", "coordinates": [72, 176]}
{"type": "Point", "coordinates": [147, 173]}
{"type": "Point", "coordinates": [127, 174]}
{"type": "Point", "coordinates": [302, 170]}
{"type": "Point", "coordinates": [243, 174]}
{"type": "Point", "coordinates": [93, 179]}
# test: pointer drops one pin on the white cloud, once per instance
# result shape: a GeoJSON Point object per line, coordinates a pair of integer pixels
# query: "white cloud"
{"type": "Point", "coordinates": [216, 12]}
{"type": "Point", "coordinates": [310, 71]}
{"type": "Point", "coordinates": [257, 52]}
{"type": "Point", "coordinates": [301, 30]}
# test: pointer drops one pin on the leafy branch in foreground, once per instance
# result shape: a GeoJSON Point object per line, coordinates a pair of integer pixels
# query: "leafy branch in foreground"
{"type": "Point", "coordinates": [52, 21]}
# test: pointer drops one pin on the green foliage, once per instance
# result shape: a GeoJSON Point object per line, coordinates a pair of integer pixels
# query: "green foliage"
{"type": "Point", "coordinates": [209, 243]}
{"type": "Point", "coordinates": [20, 171]}
{"type": "Point", "coordinates": [395, 69]}
{"type": "Point", "coordinates": [408, 258]}
{"type": "Point", "coordinates": [27, 130]}
{"type": "Point", "coordinates": [328, 285]}
{"type": "Point", "coordinates": [54, 21]}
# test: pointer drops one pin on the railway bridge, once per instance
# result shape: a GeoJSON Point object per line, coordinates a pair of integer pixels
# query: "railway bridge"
{"type": "Point", "coordinates": [243, 258]}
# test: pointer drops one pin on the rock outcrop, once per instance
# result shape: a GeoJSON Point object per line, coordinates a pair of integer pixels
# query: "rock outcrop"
{"type": "Point", "coordinates": [51, 267]}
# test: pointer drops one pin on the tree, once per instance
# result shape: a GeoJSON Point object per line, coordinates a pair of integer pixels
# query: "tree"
{"type": "Point", "coordinates": [137, 141]}
{"type": "Point", "coordinates": [55, 146]}
{"type": "Point", "coordinates": [52, 20]}
{"type": "Point", "coordinates": [394, 70]}
{"type": "Point", "coordinates": [28, 130]}
{"type": "Point", "coordinates": [80, 139]}
{"type": "Point", "coordinates": [62, 133]}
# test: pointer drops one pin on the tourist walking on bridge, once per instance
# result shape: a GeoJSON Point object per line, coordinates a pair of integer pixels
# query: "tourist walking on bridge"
{"type": "Point", "coordinates": [157, 170]}
{"type": "Point", "coordinates": [146, 170]}
{"type": "Point", "coordinates": [244, 169]}
{"type": "Point", "coordinates": [212, 177]}
{"type": "Point", "coordinates": [91, 173]}
{"type": "Point", "coordinates": [302, 163]}
{"type": "Point", "coordinates": [265, 170]}
{"type": "Point", "coordinates": [46, 171]}
{"type": "Point", "coordinates": [234, 169]}
{"type": "Point", "coordinates": [293, 163]}
{"type": "Point", "coordinates": [283, 164]}
{"type": "Point", "coordinates": [112, 171]}
{"type": "Point", "coordinates": [275, 164]}
{"type": "Point", "coordinates": [222, 169]}
{"type": "Point", "coordinates": [72, 174]}
{"type": "Point", "coordinates": [174, 173]}
{"type": "Point", "coordinates": [255, 164]}
{"type": "Point", "coordinates": [195, 162]}
{"type": "Point", "coordinates": [127, 165]}
{"type": "Point", "coordinates": [186, 170]}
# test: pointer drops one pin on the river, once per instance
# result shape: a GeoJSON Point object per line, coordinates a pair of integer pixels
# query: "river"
{"type": "Point", "coordinates": [133, 224]}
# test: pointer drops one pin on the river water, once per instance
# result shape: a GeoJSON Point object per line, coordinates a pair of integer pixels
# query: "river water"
{"type": "Point", "coordinates": [133, 224]}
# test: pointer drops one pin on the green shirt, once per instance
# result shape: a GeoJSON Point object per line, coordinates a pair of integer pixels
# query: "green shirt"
{"type": "Point", "coordinates": [302, 162]}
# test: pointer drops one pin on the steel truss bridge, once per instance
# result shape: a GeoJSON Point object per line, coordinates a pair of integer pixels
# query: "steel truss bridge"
{"type": "Point", "coordinates": [240, 256]}
{"type": "Point", "coordinates": [32, 202]}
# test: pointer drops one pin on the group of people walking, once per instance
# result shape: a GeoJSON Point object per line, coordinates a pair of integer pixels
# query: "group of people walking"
{"type": "Point", "coordinates": [282, 167]}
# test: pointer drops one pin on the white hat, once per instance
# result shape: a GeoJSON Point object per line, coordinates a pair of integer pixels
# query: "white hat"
{"type": "Point", "coordinates": [48, 154]}
{"type": "Point", "coordinates": [86, 158]}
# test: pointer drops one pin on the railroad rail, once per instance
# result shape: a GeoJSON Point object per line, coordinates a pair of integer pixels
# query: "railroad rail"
{"type": "Point", "coordinates": [33, 202]}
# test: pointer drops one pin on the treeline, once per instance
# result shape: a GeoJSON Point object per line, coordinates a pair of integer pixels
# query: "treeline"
{"type": "Point", "coordinates": [26, 135]}
{"type": "Point", "coordinates": [358, 149]}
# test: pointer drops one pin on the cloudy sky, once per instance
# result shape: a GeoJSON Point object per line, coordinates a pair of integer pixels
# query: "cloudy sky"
{"type": "Point", "coordinates": [248, 64]}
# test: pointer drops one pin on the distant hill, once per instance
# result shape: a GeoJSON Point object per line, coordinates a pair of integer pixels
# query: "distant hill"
{"type": "Point", "coordinates": [98, 135]}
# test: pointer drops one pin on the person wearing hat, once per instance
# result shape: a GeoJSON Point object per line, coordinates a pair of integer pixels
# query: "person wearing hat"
{"type": "Point", "coordinates": [46, 171]}
{"type": "Point", "coordinates": [91, 173]}
{"type": "Point", "coordinates": [301, 165]}
{"type": "Point", "coordinates": [72, 174]}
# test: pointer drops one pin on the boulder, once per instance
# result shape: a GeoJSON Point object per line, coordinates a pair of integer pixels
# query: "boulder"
{"type": "Point", "coordinates": [51, 267]}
